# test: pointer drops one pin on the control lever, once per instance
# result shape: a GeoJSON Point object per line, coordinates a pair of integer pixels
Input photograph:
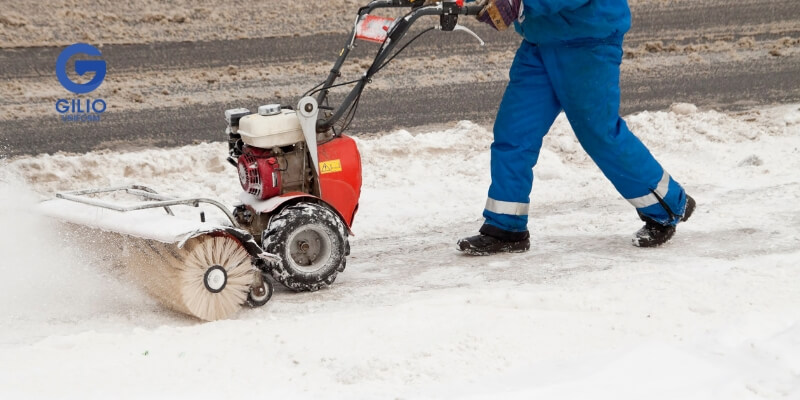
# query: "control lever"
{"type": "Point", "coordinates": [465, 29]}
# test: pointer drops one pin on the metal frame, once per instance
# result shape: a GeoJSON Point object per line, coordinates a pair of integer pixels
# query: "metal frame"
{"type": "Point", "coordinates": [157, 200]}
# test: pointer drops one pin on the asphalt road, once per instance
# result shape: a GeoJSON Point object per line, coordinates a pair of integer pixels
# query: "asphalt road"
{"type": "Point", "coordinates": [723, 85]}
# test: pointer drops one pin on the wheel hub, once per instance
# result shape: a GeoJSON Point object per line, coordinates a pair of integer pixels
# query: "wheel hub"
{"type": "Point", "coordinates": [309, 248]}
{"type": "Point", "coordinates": [215, 279]}
{"type": "Point", "coordinates": [260, 292]}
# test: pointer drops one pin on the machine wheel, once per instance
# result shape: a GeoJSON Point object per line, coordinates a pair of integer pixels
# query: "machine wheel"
{"type": "Point", "coordinates": [311, 241]}
{"type": "Point", "coordinates": [259, 294]}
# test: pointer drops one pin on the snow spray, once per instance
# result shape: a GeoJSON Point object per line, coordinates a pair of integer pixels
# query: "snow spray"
{"type": "Point", "coordinates": [45, 277]}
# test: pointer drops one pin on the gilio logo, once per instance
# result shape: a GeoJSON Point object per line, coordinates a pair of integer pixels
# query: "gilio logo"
{"type": "Point", "coordinates": [81, 109]}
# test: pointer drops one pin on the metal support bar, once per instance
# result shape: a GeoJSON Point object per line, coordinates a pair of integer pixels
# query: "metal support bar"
{"type": "Point", "coordinates": [159, 200]}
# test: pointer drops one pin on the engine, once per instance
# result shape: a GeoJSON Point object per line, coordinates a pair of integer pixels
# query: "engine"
{"type": "Point", "coordinates": [259, 173]}
{"type": "Point", "coordinates": [269, 151]}
{"type": "Point", "coordinates": [266, 173]}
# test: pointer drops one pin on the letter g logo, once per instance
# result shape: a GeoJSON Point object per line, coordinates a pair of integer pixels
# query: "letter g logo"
{"type": "Point", "coordinates": [81, 68]}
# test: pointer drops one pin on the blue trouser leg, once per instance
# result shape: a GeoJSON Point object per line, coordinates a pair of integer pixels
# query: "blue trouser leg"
{"type": "Point", "coordinates": [585, 78]}
{"type": "Point", "coordinates": [528, 108]}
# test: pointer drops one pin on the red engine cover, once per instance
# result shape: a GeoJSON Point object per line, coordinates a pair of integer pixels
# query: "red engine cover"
{"type": "Point", "coordinates": [259, 173]}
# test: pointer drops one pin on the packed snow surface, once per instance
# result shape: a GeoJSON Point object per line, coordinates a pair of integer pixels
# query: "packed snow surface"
{"type": "Point", "coordinates": [715, 314]}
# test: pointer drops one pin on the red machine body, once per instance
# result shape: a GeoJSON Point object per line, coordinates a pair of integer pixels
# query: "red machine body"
{"type": "Point", "coordinates": [340, 175]}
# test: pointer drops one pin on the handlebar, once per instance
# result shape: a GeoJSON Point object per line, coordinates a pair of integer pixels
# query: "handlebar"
{"type": "Point", "coordinates": [463, 10]}
{"type": "Point", "coordinates": [448, 11]}
{"type": "Point", "coordinates": [472, 10]}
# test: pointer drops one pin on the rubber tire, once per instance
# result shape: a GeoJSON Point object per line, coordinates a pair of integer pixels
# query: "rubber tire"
{"type": "Point", "coordinates": [253, 303]}
{"type": "Point", "coordinates": [295, 218]}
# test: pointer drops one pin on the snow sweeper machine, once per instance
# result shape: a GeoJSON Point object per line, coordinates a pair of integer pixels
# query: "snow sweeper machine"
{"type": "Point", "coordinates": [301, 181]}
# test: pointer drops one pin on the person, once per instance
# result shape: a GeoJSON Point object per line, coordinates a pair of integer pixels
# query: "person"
{"type": "Point", "coordinates": [569, 60]}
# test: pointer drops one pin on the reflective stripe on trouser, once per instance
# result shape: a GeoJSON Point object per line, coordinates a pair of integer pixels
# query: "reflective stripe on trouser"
{"type": "Point", "coordinates": [506, 207]}
{"type": "Point", "coordinates": [668, 192]}
{"type": "Point", "coordinates": [650, 199]}
{"type": "Point", "coordinates": [583, 80]}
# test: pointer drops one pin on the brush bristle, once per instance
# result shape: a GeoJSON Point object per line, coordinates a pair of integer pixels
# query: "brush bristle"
{"type": "Point", "coordinates": [203, 254]}
{"type": "Point", "coordinates": [175, 276]}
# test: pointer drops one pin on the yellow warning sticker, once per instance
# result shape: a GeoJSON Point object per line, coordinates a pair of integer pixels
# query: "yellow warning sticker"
{"type": "Point", "coordinates": [329, 167]}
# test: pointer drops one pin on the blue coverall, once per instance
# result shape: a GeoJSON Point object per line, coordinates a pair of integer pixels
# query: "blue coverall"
{"type": "Point", "coordinates": [569, 60]}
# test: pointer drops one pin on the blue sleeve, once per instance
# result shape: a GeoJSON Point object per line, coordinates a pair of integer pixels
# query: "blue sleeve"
{"type": "Point", "coordinates": [535, 8]}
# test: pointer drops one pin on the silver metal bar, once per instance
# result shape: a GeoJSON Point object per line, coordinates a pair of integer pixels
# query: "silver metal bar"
{"type": "Point", "coordinates": [108, 190]}
{"type": "Point", "coordinates": [149, 195]}
{"type": "Point", "coordinates": [79, 196]}
{"type": "Point", "coordinates": [151, 192]}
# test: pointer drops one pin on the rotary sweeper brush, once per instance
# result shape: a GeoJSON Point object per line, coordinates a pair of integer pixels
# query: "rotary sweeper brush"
{"type": "Point", "coordinates": [301, 181]}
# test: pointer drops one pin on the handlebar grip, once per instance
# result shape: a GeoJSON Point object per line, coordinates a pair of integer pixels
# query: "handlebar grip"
{"type": "Point", "coordinates": [471, 10]}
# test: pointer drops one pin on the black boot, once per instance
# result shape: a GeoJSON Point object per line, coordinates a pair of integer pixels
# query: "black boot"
{"type": "Point", "coordinates": [493, 240]}
{"type": "Point", "coordinates": [654, 234]}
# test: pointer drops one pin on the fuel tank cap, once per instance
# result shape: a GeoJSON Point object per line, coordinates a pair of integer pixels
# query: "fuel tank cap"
{"type": "Point", "coordinates": [269, 109]}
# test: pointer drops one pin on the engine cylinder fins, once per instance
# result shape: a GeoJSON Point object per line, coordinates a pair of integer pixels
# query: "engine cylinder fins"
{"type": "Point", "coordinates": [210, 277]}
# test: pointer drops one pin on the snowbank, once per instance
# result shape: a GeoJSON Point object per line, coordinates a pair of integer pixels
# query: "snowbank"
{"type": "Point", "coordinates": [714, 314]}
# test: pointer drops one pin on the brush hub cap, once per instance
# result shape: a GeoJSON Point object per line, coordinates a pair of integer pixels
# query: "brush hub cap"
{"type": "Point", "coordinates": [215, 279]}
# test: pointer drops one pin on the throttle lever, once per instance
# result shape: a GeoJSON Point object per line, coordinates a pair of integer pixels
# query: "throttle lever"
{"type": "Point", "coordinates": [467, 30]}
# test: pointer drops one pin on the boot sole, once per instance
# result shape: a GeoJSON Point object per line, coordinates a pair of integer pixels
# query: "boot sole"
{"type": "Point", "coordinates": [476, 252]}
{"type": "Point", "coordinates": [646, 245]}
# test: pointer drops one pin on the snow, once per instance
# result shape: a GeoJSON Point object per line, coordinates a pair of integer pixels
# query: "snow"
{"type": "Point", "coordinates": [713, 314]}
{"type": "Point", "coordinates": [683, 108]}
{"type": "Point", "coordinates": [153, 224]}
